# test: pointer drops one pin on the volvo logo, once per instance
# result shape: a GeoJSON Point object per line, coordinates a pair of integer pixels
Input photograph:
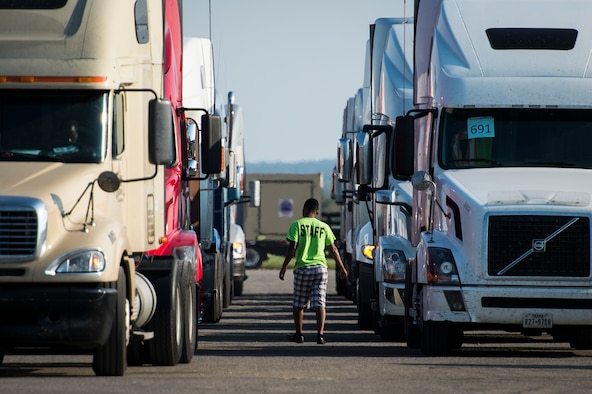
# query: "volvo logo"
{"type": "Point", "coordinates": [539, 245]}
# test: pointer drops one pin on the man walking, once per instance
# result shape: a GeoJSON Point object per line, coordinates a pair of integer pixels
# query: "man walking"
{"type": "Point", "coordinates": [308, 237]}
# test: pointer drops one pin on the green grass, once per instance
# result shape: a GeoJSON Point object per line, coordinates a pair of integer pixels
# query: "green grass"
{"type": "Point", "coordinates": [275, 262]}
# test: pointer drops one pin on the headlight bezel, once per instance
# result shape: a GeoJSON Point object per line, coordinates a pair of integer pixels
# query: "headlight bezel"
{"type": "Point", "coordinates": [441, 267]}
{"type": "Point", "coordinates": [394, 265]}
{"type": "Point", "coordinates": [80, 261]}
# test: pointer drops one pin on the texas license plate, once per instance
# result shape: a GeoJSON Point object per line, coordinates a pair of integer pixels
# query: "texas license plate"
{"type": "Point", "coordinates": [537, 320]}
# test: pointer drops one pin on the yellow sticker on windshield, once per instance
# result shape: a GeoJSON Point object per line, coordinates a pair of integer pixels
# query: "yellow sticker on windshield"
{"type": "Point", "coordinates": [481, 127]}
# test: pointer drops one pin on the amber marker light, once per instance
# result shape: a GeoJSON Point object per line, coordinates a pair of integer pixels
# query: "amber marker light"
{"type": "Point", "coordinates": [34, 79]}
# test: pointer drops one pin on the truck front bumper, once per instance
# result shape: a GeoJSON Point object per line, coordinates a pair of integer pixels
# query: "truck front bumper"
{"type": "Point", "coordinates": [507, 305]}
{"type": "Point", "coordinates": [391, 299]}
{"type": "Point", "coordinates": [239, 272]}
{"type": "Point", "coordinates": [70, 316]}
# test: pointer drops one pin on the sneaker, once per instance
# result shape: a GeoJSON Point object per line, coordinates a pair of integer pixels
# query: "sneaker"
{"type": "Point", "coordinates": [320, 339]}
{"type": "Point", "coordinates": [298, 338]}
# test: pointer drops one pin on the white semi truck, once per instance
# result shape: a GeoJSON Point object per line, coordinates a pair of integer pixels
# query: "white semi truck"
{"type": "Point", "coordinates": [392, 96]}
{"type": "Point", "coordinates": [387, 200]}
{"type": "Point", "coordinates": [502, 170]}
{"type": "Point", "coordinates": [216, 211]}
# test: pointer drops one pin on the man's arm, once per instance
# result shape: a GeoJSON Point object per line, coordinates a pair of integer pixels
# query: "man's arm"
{"type": "Point", "coordinates": [335, 253]}
{"type": "Point", "coordinates": [290, 252]}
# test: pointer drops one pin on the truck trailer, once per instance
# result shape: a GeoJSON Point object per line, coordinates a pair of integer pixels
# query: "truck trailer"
{"type": "Point", "coordinates": [97, 251]}
{"type": "Point", "coordinates": [282, 197]}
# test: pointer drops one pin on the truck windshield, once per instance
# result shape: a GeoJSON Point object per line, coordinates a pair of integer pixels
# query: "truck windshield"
{"type": "Point", "coordinates": [471, 138]}
{"type": "Point", "coordinates": [65, 126]}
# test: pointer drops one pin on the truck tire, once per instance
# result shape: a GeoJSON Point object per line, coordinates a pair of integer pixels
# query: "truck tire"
{"type": "Point", "coordinates": [339, 288]}
{"type": "Point", "coordinates": [366, 317]}
{"type": "Point", "coordinates": [435, 339]}
{"type": "Point", "coordinates": [254, 258]}
{"type": "Point", "coordinates": [213, 311]}
{"type": "Point", "coordinates": [238, 287]}
{"type": "Point", "coordinates": [581, 339]}
{"type": "Point", "coordinates": [392, 328]}
{"type": "Point", "coordinates": [189, 296]}
{"type": "Point", "coordinates": [111, 358]}
{"type": "Point", "coordinates": [228, 284]}
{"type": "Point", "coordinates": [167, 323]}
{"type": "Point", "coordinates": [412, 332]}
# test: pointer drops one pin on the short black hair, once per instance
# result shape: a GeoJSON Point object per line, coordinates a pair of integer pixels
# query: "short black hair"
{"type": "Point", "coordinates": [310, 205]}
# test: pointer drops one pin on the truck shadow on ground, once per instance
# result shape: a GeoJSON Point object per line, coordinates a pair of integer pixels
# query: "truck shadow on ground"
{"type": "Point", "coordinates": [257, 325]}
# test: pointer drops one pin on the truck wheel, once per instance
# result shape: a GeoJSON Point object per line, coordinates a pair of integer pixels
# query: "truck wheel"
{"type": "Point", "coordinates": [412, 333]}
{"type": "Point", "coordinates": [111, 358]}
{"type": "Point", "coordinates": [228, 284]}
{"type": "Point", "coordinates": [167, 323]}
{"type": "Point", "coordinates": [189, 295]}
{"type": "Point", "coordinates": [456, 337]}
{"type": "Point", "coordinates": [392, 328]}
{"type": "Point", "coordinates": [338, 283]}
{"type": "Point", "coordinates": [254, 258]}
{"type": "Point", "coordinates": [581, 339]}
{"type": "Point", "coordinates": [238, 287]}
{"type": "Point", "coordinates": [365, 320]}
{"type": "Point", "coordinates": [435, 340]}
{"type": "Point", "coordinates": [364, 317]}
{"type": "Point", "coordinates": [213, 311]}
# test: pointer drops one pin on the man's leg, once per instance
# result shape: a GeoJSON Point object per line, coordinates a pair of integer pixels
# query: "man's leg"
{"type": "Point", "coordinates": [298, 319]}
{"type": "Point", "coordinates": [321, 315]}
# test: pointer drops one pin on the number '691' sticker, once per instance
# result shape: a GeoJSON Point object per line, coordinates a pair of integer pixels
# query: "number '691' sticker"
{"type": "Point", "coordinates": [481, 127]}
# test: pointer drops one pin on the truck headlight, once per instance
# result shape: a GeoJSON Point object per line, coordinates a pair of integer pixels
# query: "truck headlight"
{"type": "Point", "coordinates": [84, 261]}
{"type": "Point", "coordinates": [394, 264]}
{"type": "Point", "coordinates": [442, 267]}
{"type": "Point", "coordinates": [238, 250]}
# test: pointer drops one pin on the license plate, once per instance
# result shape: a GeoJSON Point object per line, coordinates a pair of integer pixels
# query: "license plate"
{"type": "Point", "coordinates": [537, 320]}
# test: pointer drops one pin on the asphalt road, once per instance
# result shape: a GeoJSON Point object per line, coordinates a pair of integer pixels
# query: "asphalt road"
{"type": "Point", "coordinates": [247, 352]}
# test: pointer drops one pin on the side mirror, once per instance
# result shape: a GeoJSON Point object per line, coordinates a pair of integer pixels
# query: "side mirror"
{"type": "Point", "coordinates": [421, 180]}
{"type": "Point", "coordinates": [339, 193]}
{"type": "Point", "coordinates": [364, 158]}
{"type": "Point", "coordinates": [381, 136]}
{"type": "Point", "coordinates": [212, 159]}
{"type": "Point", "coordinates": [255, 193]}
{"type": "Point", "coordinates": [344, 159]}
{"type": "Point", "coordinates": [402, 149]}
{"type": "Point", "coordinates": [191, 149]}
{"type": "Point", "coordinates": [230, 181]}
{"type": "Point", "coordinates": [161, 134]}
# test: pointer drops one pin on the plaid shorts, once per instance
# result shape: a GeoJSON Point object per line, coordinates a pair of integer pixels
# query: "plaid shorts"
{"type": "Point", "coordinates": [310, 287]}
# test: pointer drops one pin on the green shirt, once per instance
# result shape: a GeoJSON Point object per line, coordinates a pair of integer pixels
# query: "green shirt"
{"type": "Point", "coordinates": [312, 236]}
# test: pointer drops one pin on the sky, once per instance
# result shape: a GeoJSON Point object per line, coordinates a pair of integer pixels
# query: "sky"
{"type": "Point", "coordinates": [292, 65]}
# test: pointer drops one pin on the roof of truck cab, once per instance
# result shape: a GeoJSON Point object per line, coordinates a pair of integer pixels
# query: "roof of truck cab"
{"type": "Point", "coordinates": [470, 71]}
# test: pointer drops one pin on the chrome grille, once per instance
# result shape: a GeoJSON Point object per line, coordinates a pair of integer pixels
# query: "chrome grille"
{"type": "Point", "coordinates": [545, 246]}
{"type": "Point", "coordinates": [18, 232]}
{"type": "Point", "coordinates": [23, 228]}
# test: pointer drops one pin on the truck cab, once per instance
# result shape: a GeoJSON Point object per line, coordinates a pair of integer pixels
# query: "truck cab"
{"type": "Point", "coordinates": [501, 211]}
